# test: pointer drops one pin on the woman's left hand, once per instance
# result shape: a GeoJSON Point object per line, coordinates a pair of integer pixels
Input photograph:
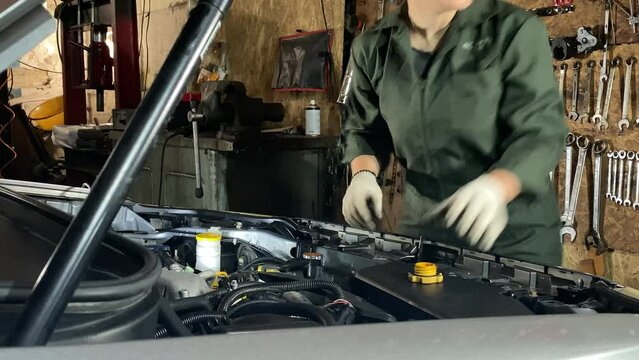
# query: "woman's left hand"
{"type": "Point", "coordinates": [478, 209]}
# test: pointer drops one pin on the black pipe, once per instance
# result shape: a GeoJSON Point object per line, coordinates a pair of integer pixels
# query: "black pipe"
{"type": "Point", "coordinates": [261, 260]}
{"type": "Point", "coordinates": [194, 303]}
{"type": "Point", "coordinates": [171, 321]}
{"type": "Point", "coordinates": [192, 319]}
{"type": "Point", "coordinates": [238, 308]}
{"type": "Point", "coordinates": [231, 297]}
{"type": "Point", "coordinates": [81, 239]}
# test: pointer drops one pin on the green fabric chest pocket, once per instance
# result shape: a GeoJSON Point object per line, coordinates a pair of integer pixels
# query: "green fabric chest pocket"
{"type": "Point", "coordinates": [472, 100]}
{"type": "Point", "coordinates": [466, 140]}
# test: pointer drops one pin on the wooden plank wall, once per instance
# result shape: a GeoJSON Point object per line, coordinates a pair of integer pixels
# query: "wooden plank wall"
{"type": "Point", "coordinates": [252, 30]}
{"type": "Point", "coordinates": [620, 229]}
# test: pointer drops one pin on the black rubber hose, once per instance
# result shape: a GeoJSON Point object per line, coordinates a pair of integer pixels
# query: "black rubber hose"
{"type": "Point", "coordinates": [310, 312]}
{"type": "Point", "coordinates": [231, 297]}
{"type": "Point", "coordinates": [198, 317]}
{"type": "Point", "coordinates": [171, 321]}
{"type": "Point", "coordinates": [238, 308]}
{"type": "Point", "coordinates": [261, 260]}
{"type": "Point", "coordinates": [191, 319]}
{"type": "Point", "coordinates": [190, 304]}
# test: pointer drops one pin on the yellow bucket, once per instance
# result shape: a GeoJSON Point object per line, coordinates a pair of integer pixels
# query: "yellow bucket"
{"type": "Point", "coordinates": [48, 114]}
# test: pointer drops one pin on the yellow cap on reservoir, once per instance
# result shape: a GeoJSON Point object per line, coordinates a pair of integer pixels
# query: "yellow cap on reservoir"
{"type": "Point", "coordinates": [425, 273]}
{"type": "Point", "coordinates": [208, 237]}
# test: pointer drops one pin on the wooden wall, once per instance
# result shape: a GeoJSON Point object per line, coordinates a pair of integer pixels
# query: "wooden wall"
{"type": "Point", "coordinates": [620, 229]}
{"type": "Point", "coordinates": [252, 30]}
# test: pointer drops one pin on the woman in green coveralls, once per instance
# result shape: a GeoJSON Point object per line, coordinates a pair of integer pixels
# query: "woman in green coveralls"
{"type": "Point", "coordinates": [462, 92]}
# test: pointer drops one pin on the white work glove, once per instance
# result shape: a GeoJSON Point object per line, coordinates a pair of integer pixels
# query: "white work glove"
{"type": "Point", "coordinates": [479, 211]}
{"type": "Point", "coordinates": [362, 203]}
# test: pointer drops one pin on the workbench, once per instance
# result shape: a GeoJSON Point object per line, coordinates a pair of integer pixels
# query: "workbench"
{"type": "Point", "coordinates": [287, 175]}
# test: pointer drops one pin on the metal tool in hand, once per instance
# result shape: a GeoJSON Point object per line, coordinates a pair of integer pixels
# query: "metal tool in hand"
{"type": "Point", "coordinates": [615, 161]}
{"type": "Point", "coordinates": [584, 115]}
{"type": "Point", "coordinates": [636, 204]}
{"type": "Point", "coordinates": [573, 115]}
{"type": "Point", "coordinates": [603, 121]}
{"type": "Point", "coordinates": [620, 177]}
{"type": "Point", "coordinates": [570, 140]}
{"type": "Point", "coordinates": [624, 123]}
{"type": "Point", "coordinates": [594, 237]}
{"type": "Point", "coordinates": [583, 142]}
{"type": "Point", "coordinates": [609, 186]}
{"type": "Point", "coordinates": [630, 161]}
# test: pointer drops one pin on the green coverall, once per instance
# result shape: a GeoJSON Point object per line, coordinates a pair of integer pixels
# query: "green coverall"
{"type": "Point", "coordinates": [487, 100]}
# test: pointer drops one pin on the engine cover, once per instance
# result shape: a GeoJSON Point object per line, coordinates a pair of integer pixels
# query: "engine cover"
{"type": "Point", "coordinates": [460, 295]}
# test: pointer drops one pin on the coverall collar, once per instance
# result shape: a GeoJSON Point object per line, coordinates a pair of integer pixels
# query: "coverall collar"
{"type": "Point", "coordinates": [478, 12]}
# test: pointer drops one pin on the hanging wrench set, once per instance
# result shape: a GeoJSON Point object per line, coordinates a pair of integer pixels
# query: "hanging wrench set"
{"type": "Point", "coordinates": [586, 147]}
{"type": "Point", "coordinates": [581, 97]}
{"type": "Point", "coordinates": [621, 184]}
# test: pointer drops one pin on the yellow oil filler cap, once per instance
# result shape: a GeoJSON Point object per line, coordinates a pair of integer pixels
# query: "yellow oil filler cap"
{"type": "Point", "coordinates": [425, 273]}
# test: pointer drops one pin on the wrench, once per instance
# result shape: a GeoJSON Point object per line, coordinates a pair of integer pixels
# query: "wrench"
{"type": "Point", "coordinates": [572, 115]}
{"type": "Point", "coordinates": [587, 103]}
{"type": "Point", "coordinates": [630, 159]}
{"type": "Point", "coordinates": [594, 238]}
{"type": "Point", "coordinates": [625, 122]}
{"type": "Point", "coordinates": [632, 15]}
{"type": "Point", "coordinates": [603, 122]}
{"type": "Point", "coordinates": [608, 189]}
{"type": "Point", "coordinates": [615, 160]}
{"type": "Point", "coordinates": [562, 79]}
{"type": "Point", "coordinates": [583, 142]}
{"type": "Point", "coordinates": [619, 197]}
{"type": "Point", "coordinates": [636, 204]}
{"type": "Point", "coordinates": [603, 77]}
{"type": "Point", "coordinates": [596, 118]}
{"type": "Point", "coordinates": [570, 140]}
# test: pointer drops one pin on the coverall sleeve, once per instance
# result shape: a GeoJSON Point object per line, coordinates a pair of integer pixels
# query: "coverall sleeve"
{"type": "Point", "coordinates": [364, 131]}
{"type": "Point", "coordinates": [531, 111]}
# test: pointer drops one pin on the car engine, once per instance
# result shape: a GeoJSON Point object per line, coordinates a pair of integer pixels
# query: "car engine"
{"type": "Point", "coordinates": [275, 273]}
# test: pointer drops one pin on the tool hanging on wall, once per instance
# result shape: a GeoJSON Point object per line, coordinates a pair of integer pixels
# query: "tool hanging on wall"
{"type": "Point", "coordinates": [569, 228]}
{"type": "Point", "coordinates": [624, 123]}
{"type": "Point", "coordinates": [603, 124]}
{"type": "Point", "coordinates": [584, 115]}
{"type": "Point", "coordinates": [595, 236]}
{"type": "Point", "coordinates": [552, 10]}
{"type": "Point", "coordinates": [573, 115]}
{"type": "Point", "coordinates": [623, 178]}
{"type": "Point", "coordinates": [570, 141]}
{"type": "Point", "coordinates": [633, 19]}
{"type": "Point", "coordinates": [563, 68]}
{"type": "Point", "coordinates": [584, 43]}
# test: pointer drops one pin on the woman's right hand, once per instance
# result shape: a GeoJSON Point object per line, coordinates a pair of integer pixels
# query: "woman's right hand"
{"type": "Point", "coordinates": [362, 203]}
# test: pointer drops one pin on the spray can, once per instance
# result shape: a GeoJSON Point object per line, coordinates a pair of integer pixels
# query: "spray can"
{"type": "Point", "coordinates": [313, 119]}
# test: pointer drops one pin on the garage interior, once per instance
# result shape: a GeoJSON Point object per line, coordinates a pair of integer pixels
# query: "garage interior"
{"type": "Point", "coordinates": [68, 101]}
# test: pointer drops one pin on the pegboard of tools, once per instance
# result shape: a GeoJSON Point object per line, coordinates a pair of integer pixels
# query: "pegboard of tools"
{"type": "Point", "coordinates": [589, 100]}
{"type": "Point", "coordinates": [612, 180]}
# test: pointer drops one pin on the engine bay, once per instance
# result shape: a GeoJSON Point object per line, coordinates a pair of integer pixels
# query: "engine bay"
{"type": "Point", "coordinates": [354, 276]}
{"type": "Point", "coordinates": [275, 273]}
